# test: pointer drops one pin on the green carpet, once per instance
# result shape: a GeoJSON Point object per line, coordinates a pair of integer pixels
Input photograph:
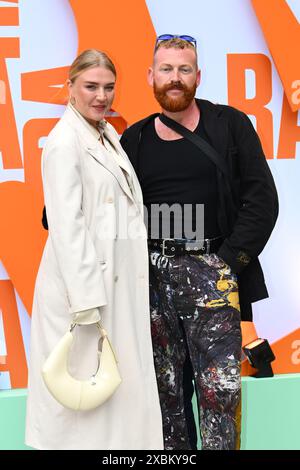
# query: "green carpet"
{"type": "Point", "coordinates": [270, 414]}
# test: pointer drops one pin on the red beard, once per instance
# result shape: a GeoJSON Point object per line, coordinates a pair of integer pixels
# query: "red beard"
{"type": "Point", "coordinates": [174, 105]}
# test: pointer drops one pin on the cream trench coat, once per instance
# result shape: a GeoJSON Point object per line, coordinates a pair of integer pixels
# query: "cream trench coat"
{"type": "Point", "coordinates": [89, 260]}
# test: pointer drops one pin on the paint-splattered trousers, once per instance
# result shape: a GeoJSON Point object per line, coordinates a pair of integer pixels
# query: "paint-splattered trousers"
{"type": "Point", "coordinates": [195, 310]}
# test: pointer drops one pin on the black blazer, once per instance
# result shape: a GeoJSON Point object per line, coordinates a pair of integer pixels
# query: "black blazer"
{"type": "Point", "coordinates": [246, 216]}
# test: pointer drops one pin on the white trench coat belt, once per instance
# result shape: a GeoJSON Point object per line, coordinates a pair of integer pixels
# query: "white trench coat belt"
{"type": "Point", "coordinates": [91, 194]}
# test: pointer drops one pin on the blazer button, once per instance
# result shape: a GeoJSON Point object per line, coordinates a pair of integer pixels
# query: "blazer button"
{"type": "Point", "coordinates": [110, 200]}
{"type": "Point", "coordinates": [116, 278]}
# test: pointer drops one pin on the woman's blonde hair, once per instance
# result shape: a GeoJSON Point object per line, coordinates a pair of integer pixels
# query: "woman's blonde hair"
{"type": "Point", "coordinates": [88, 59]}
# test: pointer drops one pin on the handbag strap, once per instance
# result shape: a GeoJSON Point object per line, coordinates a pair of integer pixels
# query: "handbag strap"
{"type": "Point", "coordinates": [103, 334]}
{"type": "Point", "coordinates": [98, 324]}
{"type": "Point", "coordinates": [204, 146]}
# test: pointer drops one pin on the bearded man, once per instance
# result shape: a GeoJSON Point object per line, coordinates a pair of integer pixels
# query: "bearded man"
{"type": "Point", "coordinates": [200, 287]}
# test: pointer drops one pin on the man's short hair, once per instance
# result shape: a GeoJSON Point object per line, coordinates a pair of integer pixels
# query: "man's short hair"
{"type": "Point", "coordinates": [175, 43]}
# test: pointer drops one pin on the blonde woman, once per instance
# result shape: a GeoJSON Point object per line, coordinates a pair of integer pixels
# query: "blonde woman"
{"type": "Point", "coordinates": [94, 265]}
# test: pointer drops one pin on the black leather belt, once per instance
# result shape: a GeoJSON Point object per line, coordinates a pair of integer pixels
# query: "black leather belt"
{"type": "Point", "coordinates": [171, 247]}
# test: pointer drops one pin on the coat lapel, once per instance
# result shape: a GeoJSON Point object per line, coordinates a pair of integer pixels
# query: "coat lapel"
{"type": "Point", "coordinates": [89, 136]}
{"type": "Point", "coordinates": [217, 130]}
{"type": "Point", "coordinates": [215, 126]}
{"type": "Point", "coordinates": [125, 163]}
{"type": "Point", "coordinates": [107, 160]}
{"type": "Point", "coordinates": [119, 151]}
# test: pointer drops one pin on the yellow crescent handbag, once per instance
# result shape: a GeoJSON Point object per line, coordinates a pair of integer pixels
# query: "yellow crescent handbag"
{"type": "Point", "coordinates": [81, 394]}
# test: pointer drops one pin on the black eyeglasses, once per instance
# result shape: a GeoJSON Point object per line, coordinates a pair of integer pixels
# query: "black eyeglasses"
{"type": "Point", "coordinates": [166, 37]}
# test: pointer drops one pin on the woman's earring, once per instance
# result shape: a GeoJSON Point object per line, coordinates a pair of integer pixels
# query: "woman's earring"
{"type": "Point", "coordinates": [72, 100]}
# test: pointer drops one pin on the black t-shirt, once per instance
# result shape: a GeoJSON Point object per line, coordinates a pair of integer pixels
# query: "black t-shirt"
{"type": "Point", "coordinates": [177, 172]}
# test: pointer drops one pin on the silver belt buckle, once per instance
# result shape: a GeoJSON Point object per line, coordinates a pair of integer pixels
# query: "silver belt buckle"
{"type": "Point", "coordinates": [164, 247]}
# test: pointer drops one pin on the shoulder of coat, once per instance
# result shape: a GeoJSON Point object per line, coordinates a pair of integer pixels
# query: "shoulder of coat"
{"type": "Point", "coordinates": [62, 134]}
{"type": "Point", "coordinates": [222, 110]}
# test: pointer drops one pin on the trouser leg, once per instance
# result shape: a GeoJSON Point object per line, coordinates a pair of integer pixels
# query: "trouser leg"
{"type": "Point", "coordinates": [217, 381]}
{"type": "Point", "coordinates": [169, 354]}
{"type": "Point", "coordinates": [210, 313]}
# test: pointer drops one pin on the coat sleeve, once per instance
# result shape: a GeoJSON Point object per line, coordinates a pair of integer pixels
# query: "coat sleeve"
{"type": "Point", "coordinates": [258, 208]}
{"type": "Point", "coordinates": [73, 247]}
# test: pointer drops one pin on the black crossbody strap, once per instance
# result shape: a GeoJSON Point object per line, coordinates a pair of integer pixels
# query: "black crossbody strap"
{"type": "Point", "coordinates": [204, 146]}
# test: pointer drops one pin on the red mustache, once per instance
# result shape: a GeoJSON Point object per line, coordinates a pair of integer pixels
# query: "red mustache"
{"type": "Point", "coordinates": [175, 86]}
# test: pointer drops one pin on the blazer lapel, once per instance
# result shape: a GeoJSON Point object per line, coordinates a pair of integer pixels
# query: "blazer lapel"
{"type": "Point", "coordinates": [117, 146]}
{"type": "Point", "coordinates": [215, 126]}
{"type": "Point", "coordinates": [107, 160]}
{"type": "Point", "coordinates": [89, 137]}
{"type": "Point", "coordinates": [126, 165]}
